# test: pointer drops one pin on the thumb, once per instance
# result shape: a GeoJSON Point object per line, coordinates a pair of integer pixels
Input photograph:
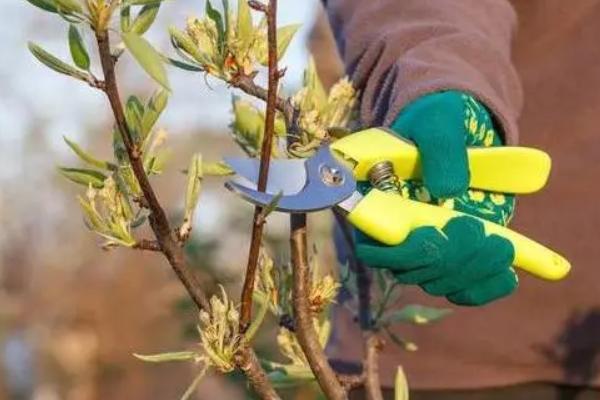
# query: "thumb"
{"type": "Point", "coordinates": [436, 124]}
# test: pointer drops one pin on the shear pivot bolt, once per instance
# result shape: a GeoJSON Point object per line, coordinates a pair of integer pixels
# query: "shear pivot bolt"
{"type": "Point", "coordinates": [331, 176]}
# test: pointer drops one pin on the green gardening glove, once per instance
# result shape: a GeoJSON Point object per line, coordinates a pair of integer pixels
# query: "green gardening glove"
{"type": "Point", "coordinates": [459, 262]}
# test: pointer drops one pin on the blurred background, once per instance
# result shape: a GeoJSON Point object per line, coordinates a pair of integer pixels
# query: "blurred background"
{"type": "Point", "coordinates": [72, 314]}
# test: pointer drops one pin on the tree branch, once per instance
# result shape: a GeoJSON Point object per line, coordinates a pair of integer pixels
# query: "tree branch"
{"type": "Point", "coordinates": [166, 241]}
{"type": "Point", "coordinates": [305, 330]}
{"type": "Point", "coordinates": [371, 366]}
{"type": "Point", "coordinates": [265, 158]}
{"type": "Point", "coordinates": [150, 245]}
{"type": "Point", "coordinates": [158, 219]}
{"type": "Point", "coordinates": [249, 364]}
{"type": "Point", "coordinates": [372, 344]}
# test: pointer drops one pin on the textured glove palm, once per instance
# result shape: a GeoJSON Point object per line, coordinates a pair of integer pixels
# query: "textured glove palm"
{"type": "Point", "coordinates": [459, 262]}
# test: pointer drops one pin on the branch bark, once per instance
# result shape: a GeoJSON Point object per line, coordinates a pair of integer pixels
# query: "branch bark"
{"type": "Point", "coordinates": [265, 158]}
{"type": "Point", "coordinates": [249, 364]}
{"type": "Point", "coordinates": [305, 330]}
{"type": "Point", "coordinates": [373, 346]}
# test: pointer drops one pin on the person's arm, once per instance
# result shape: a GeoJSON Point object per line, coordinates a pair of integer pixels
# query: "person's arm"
{"type": "Point", "coordinates": [438, 72]}
{"type": "Point", "coordinates": [398, 50]}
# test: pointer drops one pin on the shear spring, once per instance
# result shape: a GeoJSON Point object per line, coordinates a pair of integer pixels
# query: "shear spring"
{"type": "Point", "coordinates": [382, 177]}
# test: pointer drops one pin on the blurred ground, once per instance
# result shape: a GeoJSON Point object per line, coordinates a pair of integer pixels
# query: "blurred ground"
{"type": "Point", "coordinates": [72, 314]}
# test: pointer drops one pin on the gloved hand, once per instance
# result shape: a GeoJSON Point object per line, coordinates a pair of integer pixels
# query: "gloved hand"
{"type": "Point", "coordinates": [459, 262]}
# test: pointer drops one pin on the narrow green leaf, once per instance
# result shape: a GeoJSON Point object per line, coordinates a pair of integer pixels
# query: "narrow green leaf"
{"type": "Point", "coordinates": [154, 108]}
{"type": "Point", "coordinates": [269, 208]}
{"type": "Point", "coordinates": [69, 6]}
{"type": "Point", "coordinates": [226, 15]}
{"type": "Point", "coordinates": [184, 66]}
{"type": "Point", "coordinates": [192, 192]}
{"type": "Point", "coordinates": [398, 341]}
{"type": "Point", "coordinates": [216, 169]}
{"type": "Point", "coordinates": [55, 63]}
{"type": "Point", "coordinates": [400, 385]}
{"type": "Point", "coordinates": [46, 5]}
{"type": "Point", "coordinates": [145, 19]}
{"type": "Point", "coordinates": [94, 221]}
{"type": "Point", "coordinates": [416, 314]}
{"type": "Point", "coordinates": [244, 21]}
{"type": "Point", "coordinates": [213, 14]}
{"type": "Point", "coordinates": [134, 113]}
{"type": "Point", "coordinates": [285, 34]}
{"type": "Point", "coordinates": [85, 177]}
{"type": "Point", "coordinates": [148, 58]}
{"type": "Point", "coordinates": [166, 357]}
{"type": "Point", "coordinates": [141, 2]}
{"type": "Point", "coordinates": [87, 157]}
{"type": "Point", "coordinates": [79, 53]}
{"type": "Point", "coordinates": [125, 18]}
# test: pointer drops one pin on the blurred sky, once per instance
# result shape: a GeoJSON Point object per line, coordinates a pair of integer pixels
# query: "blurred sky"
{"type": "Point", "coordinates": [31, 94]}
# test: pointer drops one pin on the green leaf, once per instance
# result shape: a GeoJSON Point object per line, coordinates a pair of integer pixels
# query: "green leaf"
{"type": "Point", "coordinates": [145, 19]}
{"type": "Point", "coordinates": [269, 208]}
{"type": "Point", "coordinates": [125, 18]}
{"type": "Point", "coordinates": [87, 157]}
{"type": "Point", "coordinates": [134, 112]}
{"type": "Point", "coordinates": [154, 108]}
{"type": "Point", "coordinates": [183, 41]}
{"type": "Point", "coordinates": [244, 22]}
{"type": "Point", "coordinates": [94, 221]}
{"type": "Point", "coordinates": [194, 183]}
{"type": "Point", "coordinates": [227, 29]}
{"type": "Point", "coordinates": [46, 5]}
{"type": "Point", "coordinates": [216, 169]}
{"type": "Point", "coordinates": [248, 126]}
{"type": "Point", "coordinates": [213, 14]}
{"type": "Point", "coordinates": [416, 314]}
{"type": "Point", "coordinates": [405, 344]}
{"type": "Point", "coordinates": [55, 63]}
{"type": "Point", "coordinates": [316, 91]}
{"type": "Point", "coordinates": [184, 66]}
{"type": "Point", "coordinates": [148, 58]}
{"type": "Point", "coordinates": [85, 177]}
{"type": "Point", "coordinates": [400, 385]}
{"type": "Point", "coordinates": [167, 357]}
{"type": "Point", "coordinates": [79, 53]}
{"type": "Point", "coordinates": [285, 34]}
{"type": "Point", "coordinates": [69, 6]}
{"type": "Point", "coordinates": [141, 2]}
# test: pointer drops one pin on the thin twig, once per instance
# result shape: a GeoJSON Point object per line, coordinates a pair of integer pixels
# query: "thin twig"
{"type": "Point", "coordinates": [265, 158]}
{"type": "Point", "coordinates": [246, 84]}
{"type": "Point", "coordinates": [150, 245]}
{"type": "Point", "coordinates": [350, 382]}
{"type": "Point", "coordinates": [305, 330]}
{"type": "Point", "coordinates": [363, 276]}
{"type": "Point", "coordinates": [158, 219]}
{"type": "Point", "coordinates": [249, 364]}
{"type": "Point", "coordinates": [373, 346]}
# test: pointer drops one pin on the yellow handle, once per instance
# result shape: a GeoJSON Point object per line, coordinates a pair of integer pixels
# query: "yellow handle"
{"type": "Point", "coordinates": [499, 169]}
{"type": "Point", "coordinates": [388, 218]}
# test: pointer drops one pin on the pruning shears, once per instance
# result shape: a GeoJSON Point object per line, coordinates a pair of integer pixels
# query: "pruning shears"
{"type": "Point", "coordinates": [328, 179]}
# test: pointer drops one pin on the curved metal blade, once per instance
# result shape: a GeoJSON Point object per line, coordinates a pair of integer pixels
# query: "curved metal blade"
{"type": "Point", "coordinates": [286, 176]}
{"type": "Point", "coordinates": [317, 193]}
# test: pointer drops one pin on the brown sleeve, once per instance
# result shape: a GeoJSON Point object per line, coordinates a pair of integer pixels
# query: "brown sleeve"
{"type": "Point", "coordinates": [398, 50]}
